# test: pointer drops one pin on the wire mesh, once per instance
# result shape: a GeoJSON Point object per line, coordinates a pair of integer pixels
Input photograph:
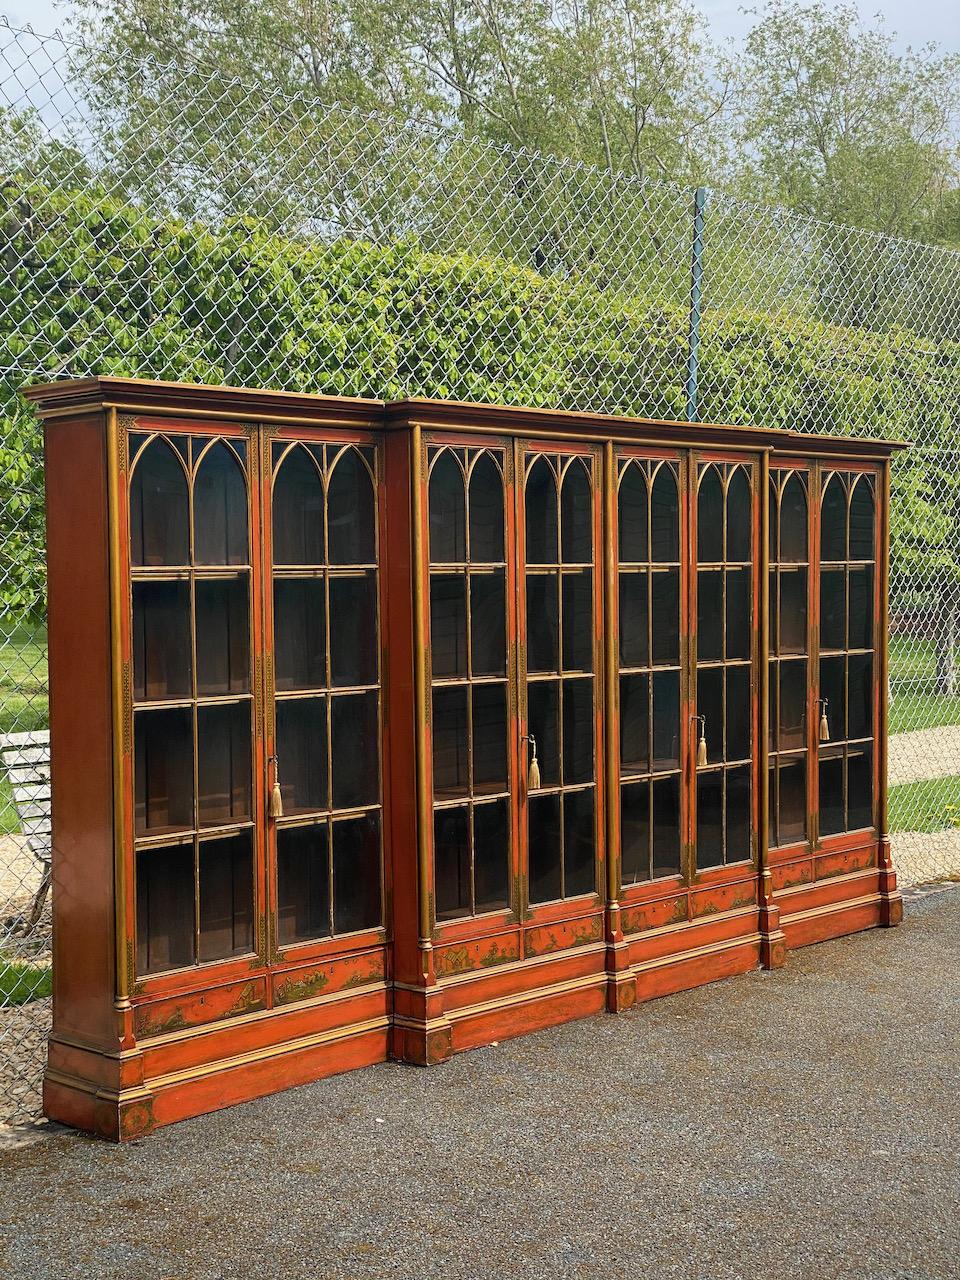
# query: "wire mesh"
{"type": "Point", "coordinates": [226, 234]}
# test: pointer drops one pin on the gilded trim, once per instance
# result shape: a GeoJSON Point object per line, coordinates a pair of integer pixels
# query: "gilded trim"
{"type": "Point", "coordinates": [122, 713]}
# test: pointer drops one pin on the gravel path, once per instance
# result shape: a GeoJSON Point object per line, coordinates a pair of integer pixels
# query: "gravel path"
{"type": "Point", "coordinates": [801, 1124]}
{"type": "Point", "coordinates": [924, 753]}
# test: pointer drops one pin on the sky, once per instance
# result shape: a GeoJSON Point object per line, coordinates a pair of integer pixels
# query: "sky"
{"type": "Point", "coordinates": [914, 21]}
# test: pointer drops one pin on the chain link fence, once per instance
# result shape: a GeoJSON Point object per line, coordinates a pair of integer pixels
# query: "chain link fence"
{"type": "Point", "coordinates": [162, 221]}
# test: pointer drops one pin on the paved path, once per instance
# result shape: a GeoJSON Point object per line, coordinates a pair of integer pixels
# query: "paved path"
{"type": "Point", "coordinates": [800, 1124]}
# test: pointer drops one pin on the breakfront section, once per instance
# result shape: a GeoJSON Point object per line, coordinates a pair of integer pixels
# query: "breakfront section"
{"type": "Point", "coordinates": [219, 923]}
{"type": "Point", "coordinates": [398, 729]}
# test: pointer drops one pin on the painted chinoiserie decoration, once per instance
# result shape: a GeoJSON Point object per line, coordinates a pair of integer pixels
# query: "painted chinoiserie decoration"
{"type": "Point", "coordinates": [389, 730]}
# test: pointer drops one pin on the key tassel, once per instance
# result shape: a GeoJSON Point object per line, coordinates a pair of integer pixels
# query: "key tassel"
{"type": "Point", "coordinates": [275, 808]}
{"type": "Point", "coordinates": [702, 747]}
{"type": "Point", "coordinates": [824, 726]}
{"type": "Point", "coordinates": [533, 774]}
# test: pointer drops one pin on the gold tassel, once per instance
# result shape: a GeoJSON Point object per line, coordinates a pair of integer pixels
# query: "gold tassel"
{"type": "Point", "coordinates": [824, 727]}
{"type": "Point", "coordinates": [533, 774]}
{"type": "Point", "coordinates": [275, 808]}
{"type": "Point", "coordinates": [702, 745]}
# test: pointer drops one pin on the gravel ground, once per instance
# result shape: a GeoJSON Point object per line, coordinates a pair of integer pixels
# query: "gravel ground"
{"type": "Point", "coordinates": [923, 753]}
{"type": "Point", "coordinates": [795, 1124]}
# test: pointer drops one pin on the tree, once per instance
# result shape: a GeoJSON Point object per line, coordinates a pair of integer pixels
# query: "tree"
{"type": "Point", "coordinates": [835, 122]}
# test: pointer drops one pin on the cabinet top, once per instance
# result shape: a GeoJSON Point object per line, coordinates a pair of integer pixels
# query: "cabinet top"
{"type": "Point", "coordinates": [68, 397]}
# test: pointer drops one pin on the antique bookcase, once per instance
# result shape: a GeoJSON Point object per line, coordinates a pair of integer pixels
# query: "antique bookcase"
{"type": "Point", "coordinates": [394, 729]}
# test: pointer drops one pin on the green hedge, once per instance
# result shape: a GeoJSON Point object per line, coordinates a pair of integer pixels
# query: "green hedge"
{"type": "Point", "coordinates": [92, 284]}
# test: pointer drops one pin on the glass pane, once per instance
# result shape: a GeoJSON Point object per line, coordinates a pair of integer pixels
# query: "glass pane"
{"type": "Point", "coordinates": [220, 509]}
{"type": "Point", "coordinates": [709, 517]}
{"type": "Point", "coordinates": [635, 832]}
{"type": "Point", "coordinates": [298, 511]}
{"type": "Point", "coordinates": [860, 696]}
{"type": "Point", "coordinates": [158, 508]}
{"type": "Point", "coordinates": [772, 838]}
{"type": "Point", "coordinates": [793, 800]}
{"type": "Point", "coordinates": [223, 636]}
{"type": "Point", "coordinates": [578, 725]}
{"type": "Point", "coordinates": [448, 624]}
{"type": "Point", "coordinates": [793, 521]}
{"type": "Point", "coordinates": [831, 794]}
{"type": "Point", "coordinates": [833, 608]}
{"type": "Point", "coordinates": [223, 764]}
{"type": "Point", "coordinates": [710, 706]}
{"type": "Point", "coordinates": [355, 747]}
{"type": "Point", "coordinates": [666, 720]}
{"type": "Point", "coordinates": [666, 616]}
{"type": "Point", "coordinates": [773, 717]}
{"type": "Point", "coordinates": [632, 515]}
{"type": "Point", "coordinates": [665, 517]}
{"type": "Point", "coordinates": [448, 541]}
{"type": "Point", "coordinates": [299, 633]}
{"type": "Point", "coordinates": [544, 847]}
{"type": "Point", "coordinates": [710, 819]}
{"type": "Point", "coordinates": [793, 610]}
{"type": "Point", "coordinates": [579, 843]}
{"type": "Point", "coordinates": [738, 613]}
{"type": "Point", "coordinates": [738, 713]}
{"type": "Point", "coordinates": [543, 723]}
{"type": "Point", "coordinates": [738, 814]}
{"type": "Point", "coordinates": [356, 873]}
{"type": "Point", "coordinates": [165, 922]}
{"type": "Point", "coordinates": [633, 619]}
{"type": "Point", "coordinates": [576, 515]}
{"type": "Point", "coordinates": [161, 640]}
{"type": "Point", "coordinates": [486, 511]}
{"type": "Point", "coordinates": [491, 855]}
{"type": "Point", "coordinates": [302, 752]}
{"type": "Point", "coordinates": [739, 515]}
{"type": "Point", "coordinates": [450, 746]}
{"type": "Point", "coordinates": [541, 514]}
{"type": "Point", "coordinates": [353, 630]}
{"type": "Point", "coordinates": [451, 857]}
{"type": "Point", "coordinates": [543, 648]}
{"type": "Point", "coordinates": [860, 788]}
{"type": "Point", "coordinates": [163, 770]}
{"type": "Point", "coordinates": [489, 738]}
{"type": "Point", "coordinates": [793, 705]}
{"type": "Point", "coordinates": [226, 897]}
{"type": "Point", "coordinates": [861, 521]}
{"type": "Point", "coordinates": [488, 624]}
{"type": "Point", "coordinates": [303, 884]}
{"type": "Point", "coordinates": [666, 826]}
{"type": "Point", "coordinates": [578, 620]}
{"type": "Point", "coordinates": [861, 608]}
{"type": "Point", "coordinates": [833, 692]}
{"type": "Point", "coordinates": [634, 724]}
{"type": "Point", "coordinates": [773, 521]}
{"type": "Point", "coordinates": [351, 519]}
{"type": "Point", "coordinates": [709, 615]}
{"type": "Point", "coordinates": [772, 610]}
{"type": "Point", "coordinates": [833, 521]}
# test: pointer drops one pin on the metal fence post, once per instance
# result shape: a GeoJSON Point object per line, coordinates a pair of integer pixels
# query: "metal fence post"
{"type": "Point", "coordinates": [696, 275]}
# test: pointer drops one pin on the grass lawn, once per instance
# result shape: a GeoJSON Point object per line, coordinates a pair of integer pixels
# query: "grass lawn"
{"type": "Point", "coordinates": [21, 983]}
{"type": "Point", "coordinates": [915, 703]}
{"type": "Point", "coordinates": [23, 700]}
{"type": "Point", "coordinates": [931, 805]}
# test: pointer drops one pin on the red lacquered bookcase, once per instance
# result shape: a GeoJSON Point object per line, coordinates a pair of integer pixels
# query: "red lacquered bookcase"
{"type": "Point", "coordinates": [395, 729]}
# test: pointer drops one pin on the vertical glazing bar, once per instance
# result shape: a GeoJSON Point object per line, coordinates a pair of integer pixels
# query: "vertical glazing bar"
{"type": "Point", "coordinates": [696, 278]}
{"type": "Point", "coordinates": [121, 712]}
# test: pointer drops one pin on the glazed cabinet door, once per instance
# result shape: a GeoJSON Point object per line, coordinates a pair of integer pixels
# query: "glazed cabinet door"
{"type": "Point", "coordinates": [194, 598]}
{"type": "Point", "coordinates": [847, 705]}
{"type": "Point", "coordinates": [323, 661]}
{"type": "Point", "coordinates": [560, 559]}
{"type": "Point", "coordinates": [724, 662]}
{"type": "Point", "coordinates": [470, 703]}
